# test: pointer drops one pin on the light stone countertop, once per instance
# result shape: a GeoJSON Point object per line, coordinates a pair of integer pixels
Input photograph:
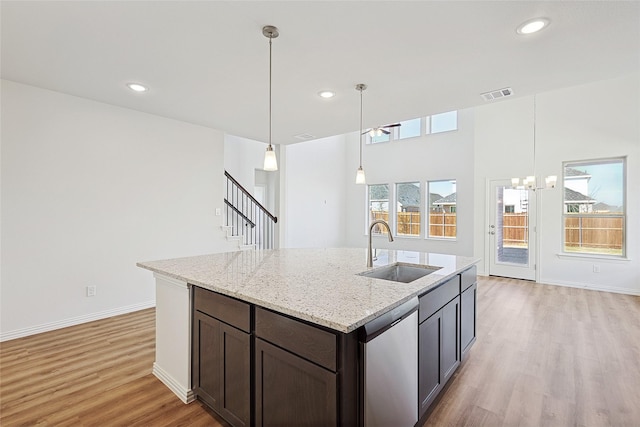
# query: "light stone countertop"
{"type": "Point", "coordinates": [317, 285]}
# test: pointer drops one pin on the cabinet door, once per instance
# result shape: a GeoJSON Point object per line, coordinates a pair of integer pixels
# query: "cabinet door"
{"type": "Point", "coordinates": [221, 368]}
{"type": "Point", "coordinates": [291, 391]}
{"type": "Point", "coordinates": [236, 375]}
{"type": "Point", "coordinates": [450, 350]}
{"type": "Point", "coordinates": [468, 318]}
{"type": "Point", "coordinates": [429, 372]}
{"type": "Point", "coordinates": [207, 360]}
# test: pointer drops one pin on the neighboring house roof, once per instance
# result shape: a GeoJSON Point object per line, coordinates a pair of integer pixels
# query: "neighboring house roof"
{"type": "Point", "coordinates": [379, 192]}
{"type": "Point", "coordinates": [433, 197]}
{"type": "Point", "coordinates": [575, 173]}
{"type": "Point", "coordinates": [448, 200]}
{"type": "Point", "coordinates": [603, 207]}
{"type": "Point", "coordinates": [408, 195]}
{"type": "Point", "coordinates": [576, 197]}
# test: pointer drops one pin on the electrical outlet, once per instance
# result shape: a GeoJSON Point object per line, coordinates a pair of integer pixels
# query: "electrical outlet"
{"type": "Point", "coordinates": [596, 268]}
{"type": "Point", "coordinates": [91, 291]}
{"type": "Point", "coordinates": [218, 211]}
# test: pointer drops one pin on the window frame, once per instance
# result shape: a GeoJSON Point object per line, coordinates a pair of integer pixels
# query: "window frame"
{"type": "Point", "coordinates": [622, 215]}
{"type": "Point", "coordinates": [425, 129]}
{"type": "Point", "coordinates": [429, 123]}
{"type": "Point", "coordinates": [427, 203]}
{"type": "Point", "coordinates": [368, 210]}
{"type": "Point", "coordinates": [397, 212]}
{"type": "Point", "coordinates": [421, 132]}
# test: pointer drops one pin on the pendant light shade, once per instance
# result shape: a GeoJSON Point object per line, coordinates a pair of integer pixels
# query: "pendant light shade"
{"type": "Point", "coordinates": [270, 161]}
{"type": "Point", "coordinates": [360, 179]}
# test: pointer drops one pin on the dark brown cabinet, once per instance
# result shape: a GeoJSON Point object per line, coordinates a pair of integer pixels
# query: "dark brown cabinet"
{"type": "Point", "coordinates": [468, 315]}
{"type": "Point", "coordinates": [296, 372]}
{"type": "Point", "coordinates": [291, 391]}
{"type": "Point", "coordinates": [221, 367]}
{"type": "Point", "coordinates": [429, 372]}
{"type": "Point", "coordinates": [438, 352]}
{"type": "Point", "coordinates": [450, 351]}
{"type": "Point", "coordinates": [257, 367]}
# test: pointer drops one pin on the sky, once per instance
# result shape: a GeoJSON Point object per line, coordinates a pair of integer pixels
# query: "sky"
{"type": "Point", "coordinates": [606, 183]}
{"type": "Point", "coordinates": [443, 188]}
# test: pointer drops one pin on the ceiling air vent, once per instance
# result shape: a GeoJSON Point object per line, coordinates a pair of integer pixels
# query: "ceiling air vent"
{"type": "Point", "coordinates": [304, 136]}
{"type": "Point", "coordinates": [496, 94]}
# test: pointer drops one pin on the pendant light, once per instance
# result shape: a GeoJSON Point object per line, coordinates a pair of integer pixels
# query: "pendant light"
{"type": "Point", "coordinates": [360, 179]}
{"type": "Point", "coordinates": [270, 161]}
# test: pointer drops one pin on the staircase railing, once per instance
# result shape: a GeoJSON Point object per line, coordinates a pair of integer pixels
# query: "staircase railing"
{"type": "Point", "coordinates": [248, 219]}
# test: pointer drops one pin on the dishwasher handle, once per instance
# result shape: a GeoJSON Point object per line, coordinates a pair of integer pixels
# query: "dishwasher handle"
{"type": "Point", "coordinates": [386, 321]}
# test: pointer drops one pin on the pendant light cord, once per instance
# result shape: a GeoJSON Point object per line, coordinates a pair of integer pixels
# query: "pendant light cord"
{"type": "Point", "coordinates": [270, 40]}
{"type": "Point", "coordinates": [534, 135]}
{"type": "Point", "coordinates": [361, 128]}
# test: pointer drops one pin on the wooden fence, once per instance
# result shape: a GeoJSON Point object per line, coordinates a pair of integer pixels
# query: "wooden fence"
{"type": "Point", "coordinates": [581, 231]}
{"type": "Point", "coordinates": [595, 233]}
{"type": "Point", "coordinates": [442, 224]}
{"type": "Point", "coordinates": [379, 215]}
{"type": "Point", "coordinates": [515, 229]}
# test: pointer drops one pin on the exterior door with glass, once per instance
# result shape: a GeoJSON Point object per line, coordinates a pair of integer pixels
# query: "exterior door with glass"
{"type": "Point", "coordinates": [511, 228]}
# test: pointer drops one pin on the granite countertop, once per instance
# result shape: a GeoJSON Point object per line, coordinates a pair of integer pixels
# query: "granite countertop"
{"type": "Point", "coordinates": [317, 285]}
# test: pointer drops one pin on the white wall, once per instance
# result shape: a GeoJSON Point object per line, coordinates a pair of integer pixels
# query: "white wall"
{"type": "Point", "coordinates": [315, 193]}
{"type": "Point", "coordinates": [435, 157]}
{"type": "Point", "coordinates": [597, 120]}
{"type": "Point", "coordinates": [89, 189]}
{"type": "Point", "coordinates": [504, 146]}
{"type": "Point", "coordinates": [242, 157]}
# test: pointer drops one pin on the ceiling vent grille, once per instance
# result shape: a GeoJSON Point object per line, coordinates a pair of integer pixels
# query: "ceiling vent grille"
{"type": "Point", "coordinates": [304, 136]}
{"type": "Point", "coordinates": [496, 94]}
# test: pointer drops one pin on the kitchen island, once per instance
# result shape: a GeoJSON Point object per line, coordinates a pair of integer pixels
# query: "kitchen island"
{"type": "Point", "coordinates": [291, 317]}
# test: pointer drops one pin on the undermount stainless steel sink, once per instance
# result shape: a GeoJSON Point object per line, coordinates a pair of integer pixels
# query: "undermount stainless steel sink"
{"type": "Point", "coordinates": [400, 272]}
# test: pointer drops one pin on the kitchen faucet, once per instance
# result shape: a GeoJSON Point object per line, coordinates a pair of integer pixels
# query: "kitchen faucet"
{"type": "Point", "coordinates": [369, 253]}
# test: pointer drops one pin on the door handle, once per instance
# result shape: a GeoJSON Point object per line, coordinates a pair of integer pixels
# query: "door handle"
{"type": "Point", "coordinates": [492, 232]}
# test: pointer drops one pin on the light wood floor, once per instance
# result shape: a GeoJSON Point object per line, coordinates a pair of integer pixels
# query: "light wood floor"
{"type": "Point", "coordinates": [96, 374]}
{"type": "Point", "coordinates": [545, 356]}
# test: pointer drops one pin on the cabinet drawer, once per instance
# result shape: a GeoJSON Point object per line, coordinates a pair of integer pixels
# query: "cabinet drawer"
{"type": "Point", "coordinates": [434, 300]}
{"type": "Point", "coordinates": [230, 311]}
{"type": "Point", "coordinates": [312, 343]}
{"type": "Point", "coordinates": [469, 277]}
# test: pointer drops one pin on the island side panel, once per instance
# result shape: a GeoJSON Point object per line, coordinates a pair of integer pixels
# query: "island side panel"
{"type": "Point", "coordinates": [173, 336]}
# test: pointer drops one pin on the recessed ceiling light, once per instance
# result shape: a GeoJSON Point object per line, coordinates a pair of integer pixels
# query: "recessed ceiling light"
{"type": "Point", "coordinates": [532, 26]}
{"type": "Point", "coordinates": [137, 87]}
{"type": "Point", "coordinates": [326, 94]}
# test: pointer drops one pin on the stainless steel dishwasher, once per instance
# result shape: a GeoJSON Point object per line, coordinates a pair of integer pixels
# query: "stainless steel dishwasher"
{"type": "Point", "coordinates": [389, 362]}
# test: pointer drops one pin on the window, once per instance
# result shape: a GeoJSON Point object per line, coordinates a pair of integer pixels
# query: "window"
{"type": "Point", "coordinates": [509, 208]}
{"type": "Point", "coordinates": [374, 139]}
{"type": "Point", "coordinates": [408, 209]}
{"type": "Point", "coordinates": [443, 122]}
{"type": "Point", "coordinates": [410, 128]}
{"type": "Point", "coordinates": [442, 208]}
{"type": "Point", "coordinates": [594, 207]}
{"type": "Point", "coordinates": [378, 206]}
{"type": "Point", "coordinates": [437, 123]}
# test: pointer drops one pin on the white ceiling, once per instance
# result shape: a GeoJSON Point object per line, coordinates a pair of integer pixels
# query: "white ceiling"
{"type": "Point", "coordinates": [206, 62]}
